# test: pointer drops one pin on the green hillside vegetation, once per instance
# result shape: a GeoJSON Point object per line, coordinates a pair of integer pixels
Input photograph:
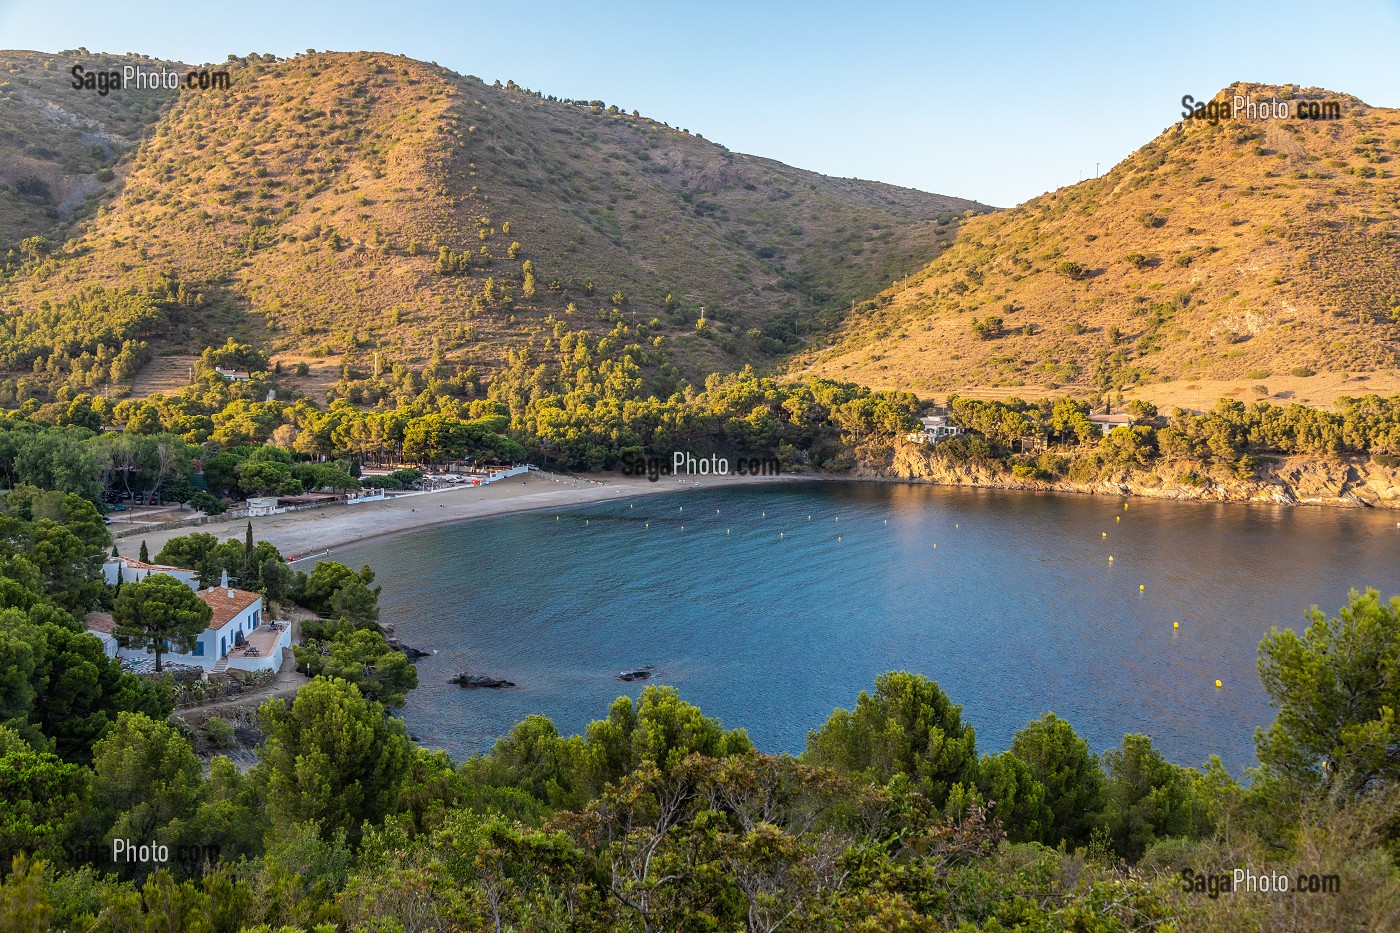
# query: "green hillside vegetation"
{"type": "Point", "coordinates": [1259, 251]}
{"type": "Point", "coordinates": [352, 205]}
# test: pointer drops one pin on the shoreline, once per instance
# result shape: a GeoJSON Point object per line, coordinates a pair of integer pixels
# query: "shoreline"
{"type": "Point", "coordinates": [310, 534]}
{"type": "Point", "coordinates": [304, 536]}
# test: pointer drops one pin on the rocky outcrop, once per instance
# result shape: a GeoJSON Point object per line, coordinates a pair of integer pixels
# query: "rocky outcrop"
{"type": "Point", "coordinates": [481, 681]}
{"type": "Point", "coordinates": [1343, 482]}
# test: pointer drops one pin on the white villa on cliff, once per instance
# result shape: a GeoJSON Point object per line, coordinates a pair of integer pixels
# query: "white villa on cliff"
{"type": "Point", "coordinates": [238, 635]}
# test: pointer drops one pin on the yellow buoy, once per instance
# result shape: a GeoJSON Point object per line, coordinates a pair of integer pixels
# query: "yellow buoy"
{"type": "Point", "coordinates": [780, 534]}
{"type": "Point", "coordinates": [648, 524]}
{"type": "Point", "coordinates": [1117, 518]}
{"type": "Point", "coordinates": [1176, 625]}
{"type": "Point", "coordinates": [556, 518]}
{"type": "Point", "coordinates": [1110, 558]}
{"type": "Point", "coordinates": [1141, 587]}
{"type": "Point", "coordinates": [726, 531]}
{"type": "Point", "coordinates": [1218, 685]}
{"type": "Point", "coordinates": [1125, 506]}
{"type": "Point", "coordinates": [809, 518]}
{"type": "Point", "coordinates": [1105, 534]}
{"type": "Point", "coordinates": [838, 537]}
{"type": "Point", "coordinates": [682, 528]}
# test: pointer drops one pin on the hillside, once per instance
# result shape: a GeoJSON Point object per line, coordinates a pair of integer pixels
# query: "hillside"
{"type": "Point", "coordinates": [55, 140]}
{"type": "Point", "coordinates": [1251, 258]}
{"type": "Point", "coordinates": [336, 205]}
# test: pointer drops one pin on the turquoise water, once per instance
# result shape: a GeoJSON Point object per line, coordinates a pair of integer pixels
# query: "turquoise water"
{"type": "Point", "coordinates": [1006, 599]}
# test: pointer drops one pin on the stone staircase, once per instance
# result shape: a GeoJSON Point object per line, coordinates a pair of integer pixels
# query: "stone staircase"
{"type": "Point", "coordinates": [221, 666]}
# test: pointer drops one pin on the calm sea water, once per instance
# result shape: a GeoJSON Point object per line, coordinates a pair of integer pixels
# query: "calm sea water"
{"type": "Point", "coordinates": [769, 619]}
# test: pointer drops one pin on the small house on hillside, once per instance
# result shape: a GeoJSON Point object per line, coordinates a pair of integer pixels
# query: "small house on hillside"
{"type": "Point", "coordinates": [1107, 422]}
{"type": "Point", "coordinates": [233, 375]}
{"type": "Point", "coordinates": [934, 429]}
{"type": "Point", "coordinates": [238, 636]}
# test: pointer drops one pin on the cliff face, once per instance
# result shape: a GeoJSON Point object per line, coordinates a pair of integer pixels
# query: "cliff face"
{"type": "Point", "coordinates": [1350, 483]}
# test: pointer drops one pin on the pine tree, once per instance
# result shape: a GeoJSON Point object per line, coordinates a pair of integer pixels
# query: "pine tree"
{"type": "Point", "coordinates": [145, 554]}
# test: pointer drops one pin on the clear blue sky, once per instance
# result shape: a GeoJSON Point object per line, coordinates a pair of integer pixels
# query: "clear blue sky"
{"type": "Point", "coordinates": [995, 101]}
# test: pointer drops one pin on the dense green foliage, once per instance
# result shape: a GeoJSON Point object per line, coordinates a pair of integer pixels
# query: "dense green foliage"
{"type": "Point", "coordinates": [658, 818]}
{"type": "Point", "coordinates": [1230, 438]}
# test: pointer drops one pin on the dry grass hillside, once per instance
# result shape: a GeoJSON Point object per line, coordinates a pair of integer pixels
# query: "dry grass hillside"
{"type": "Point", "coordinates": [1253, 258]}
{"type": "Point", "coordinates": [54, 139]}
{"type": "Point", "coordinates": [338, 204]}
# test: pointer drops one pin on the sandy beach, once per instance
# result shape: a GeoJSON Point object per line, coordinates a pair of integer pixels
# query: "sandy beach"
{"type": "Point", "coordinates": [307, 533]}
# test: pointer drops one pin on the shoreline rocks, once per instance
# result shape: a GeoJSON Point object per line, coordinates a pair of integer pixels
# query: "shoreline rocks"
{"type": "Point", "coordinates": [481, 681]}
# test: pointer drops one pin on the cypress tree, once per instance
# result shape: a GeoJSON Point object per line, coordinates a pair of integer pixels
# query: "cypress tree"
{"type": "Point", "coordinates": [145, 554]}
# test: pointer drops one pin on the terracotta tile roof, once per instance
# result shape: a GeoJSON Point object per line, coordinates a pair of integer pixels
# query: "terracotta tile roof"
{"type": "Point", "coordinates": [226, 608]}
{"type": "Point", "coordinates": [99, 622]}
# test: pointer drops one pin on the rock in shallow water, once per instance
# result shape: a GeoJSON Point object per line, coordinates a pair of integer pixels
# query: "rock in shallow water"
{"type": "Point", "coordinates": [480, 680]}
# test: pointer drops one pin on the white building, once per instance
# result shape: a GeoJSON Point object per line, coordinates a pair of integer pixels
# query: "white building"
{"type": "Point", "coordinates": [934, 429]}
{"type": "Point", "coordinates": [263, 505]}
{"type": "Point", "coordinates": [233, 375]}
{"type": "Point", "coordinates": [131, 570]}
{"type": "Point", "coordinates": [238, 636]}
{"type": "Point", "coordinates": [1107, 423]}
{"type": "Point", "coordinates": [100, 626]}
